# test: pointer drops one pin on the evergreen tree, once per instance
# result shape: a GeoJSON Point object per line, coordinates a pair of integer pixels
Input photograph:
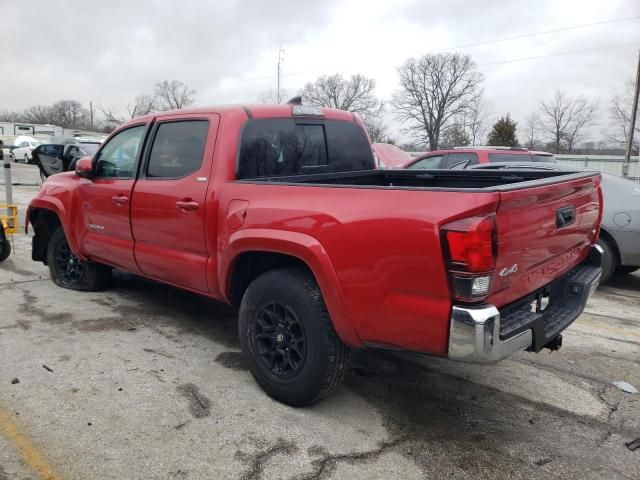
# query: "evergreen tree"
{"type": "Point", "coordinates": [503, 133]}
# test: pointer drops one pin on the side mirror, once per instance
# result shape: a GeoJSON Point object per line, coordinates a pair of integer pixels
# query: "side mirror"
{"type": "Point", "coordinates": [84, 167]}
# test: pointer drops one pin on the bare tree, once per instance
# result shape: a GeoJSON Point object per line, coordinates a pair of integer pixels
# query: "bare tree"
{"type": "Point", "coordinates": [377, 129]}
{"type": "Point", "coordinates": [111, 116]}
{"type": "Point", "coordinates": [173, 95]}
{"type": "Point", "coordinates": [143, 105]}
{"type": "Point", "coordinates": [434, 90]}
{"type": "Point", "coordinates": [70, 114]}
{"type": "Point", "coordinates": [564, 118]}
{"type": "Point", "coordinates": [454, 136]}
{"type": "Point", "coordinates": [532, 131]}
{"type": "Point", "coordinates": [474, 122]}
{"type": "Point", "coordinates": [41, 114]}
{"type": "Point", "coordinates": [620, 118]}
{"type": "Point", "coordinates": [11, 116]}
{"type": "Point", "coordinates": [356, 94]}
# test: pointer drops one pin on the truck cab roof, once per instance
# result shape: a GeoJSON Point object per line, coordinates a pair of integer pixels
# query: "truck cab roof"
{"type": "Point", "coordinates": [254, 111]}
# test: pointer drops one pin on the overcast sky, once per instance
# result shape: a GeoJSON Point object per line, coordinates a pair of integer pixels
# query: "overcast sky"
{"type": "Point", "coordinates": [108, 52]}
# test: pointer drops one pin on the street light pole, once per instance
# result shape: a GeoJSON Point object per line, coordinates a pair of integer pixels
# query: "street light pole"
{"type": "Point", "coordinates": [632, 127]}
{"type": "Point", "coordinates": [280, 60]}
{"type": "Point", "coordinates": [8, 190]}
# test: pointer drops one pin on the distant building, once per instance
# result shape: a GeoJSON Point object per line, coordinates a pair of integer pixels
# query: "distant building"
{"type": "Point", "coordinates": [10, 130]}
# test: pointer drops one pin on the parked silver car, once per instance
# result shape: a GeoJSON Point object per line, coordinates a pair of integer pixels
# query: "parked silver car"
{"type": "Point", "coordinates": [620, 230]}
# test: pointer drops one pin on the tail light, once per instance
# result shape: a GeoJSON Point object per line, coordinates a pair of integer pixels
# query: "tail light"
{"type": "Point", "coordinates": [470, 255]}
{"type": "Point", "coordinates": [598, 186]}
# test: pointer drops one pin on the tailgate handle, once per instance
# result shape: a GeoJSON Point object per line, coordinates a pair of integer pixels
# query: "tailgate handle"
{"type": "Point", "coordinates": [565, 216]}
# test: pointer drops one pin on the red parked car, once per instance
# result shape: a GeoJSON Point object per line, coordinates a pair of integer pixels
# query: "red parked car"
{"type": "Point", "coordinates": [463, 157]}
{"type": "Point", "coordinates": [390, 156]}
{"type": "Point", "coordinates": [281, 211]}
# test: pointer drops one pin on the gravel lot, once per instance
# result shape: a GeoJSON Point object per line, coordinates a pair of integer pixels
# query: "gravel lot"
{"type": "Point", "coordinates": [146, 381]}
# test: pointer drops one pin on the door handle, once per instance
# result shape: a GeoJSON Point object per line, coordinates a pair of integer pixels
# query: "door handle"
{"type": "Point", "coordinates": [119, 200]}
{"type": "Point", "coordinates": [187, 204]}
{"type": "Point", "coordinates": [565, 216]}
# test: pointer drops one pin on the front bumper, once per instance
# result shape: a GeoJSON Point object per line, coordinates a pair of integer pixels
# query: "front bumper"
{"type": "Point", "coordinates": [487, 334]}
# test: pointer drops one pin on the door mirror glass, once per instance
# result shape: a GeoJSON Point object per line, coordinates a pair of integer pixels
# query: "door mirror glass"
{"type": "Point", "coordinates": [84, 167]}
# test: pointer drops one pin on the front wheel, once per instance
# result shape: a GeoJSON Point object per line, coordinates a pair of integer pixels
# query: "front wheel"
{"type": "Point", "coordinates": [68, 271]}
{"type": "Point", "coordinates": [287, 336]}
{"type": "Point", "coordinates": [5, 248]}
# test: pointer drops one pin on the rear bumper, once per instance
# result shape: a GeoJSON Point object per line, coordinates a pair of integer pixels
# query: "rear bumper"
{"type": "Point", "coordinates": [487, 334]}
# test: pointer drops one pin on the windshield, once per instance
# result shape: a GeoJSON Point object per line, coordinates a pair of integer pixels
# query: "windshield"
{"type": "Point", "coordinates": [90, 148]}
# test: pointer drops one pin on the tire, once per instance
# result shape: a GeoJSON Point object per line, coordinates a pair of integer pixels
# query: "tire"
{"type": "Point", "coordinates": [26, 159]}
{"type": "Point", "coordinates": [626, 269]}
{"type": "Point", "coordinates": [317, 363]}
{"type": "Point", "coordinates": [610, 260]}
{"type": "Point", "coordinates": [67, 271]}
{"type": "Point", "coordinates": [5, 249]}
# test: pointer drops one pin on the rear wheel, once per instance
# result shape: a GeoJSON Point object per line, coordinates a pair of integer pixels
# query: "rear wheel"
{"type": "Point", "coordinates": [625, 269]}
{"type": "Point", "coordinates": [287, 336]}
{"type": "Point", "coordinates": [68, 271]}
{"type": "Point", "coordinates": [609, 261]}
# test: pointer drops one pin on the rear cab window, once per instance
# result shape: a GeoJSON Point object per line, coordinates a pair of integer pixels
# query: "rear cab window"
{"type": "Point", "coordinates": [273, 147]}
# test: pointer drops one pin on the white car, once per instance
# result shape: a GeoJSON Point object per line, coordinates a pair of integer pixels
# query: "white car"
{"type": "Point", "coordinates": [22, 152]}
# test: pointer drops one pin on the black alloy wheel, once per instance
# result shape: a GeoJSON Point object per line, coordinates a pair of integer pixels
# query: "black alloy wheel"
{"type": "Point", "coordinates": [279, 339]}
{"type": "Point", "coordinates": [69, 267]}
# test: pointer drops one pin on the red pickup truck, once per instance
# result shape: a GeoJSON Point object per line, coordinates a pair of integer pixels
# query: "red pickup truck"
{"type": "Point", "coordinates": [280, 210]}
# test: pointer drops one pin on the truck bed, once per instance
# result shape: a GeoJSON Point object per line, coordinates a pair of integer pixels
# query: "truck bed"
{"type": "Point", "coordinates": [449, 180]}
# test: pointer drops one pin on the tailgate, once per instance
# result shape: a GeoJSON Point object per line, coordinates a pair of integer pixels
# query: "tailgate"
{"type": "Point", "coordinates": [542, 233]}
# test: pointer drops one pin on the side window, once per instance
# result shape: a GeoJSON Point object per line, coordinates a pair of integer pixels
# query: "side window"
{"type": "Point", "coordinates": [118, 157]}
{"type": "Point", "coordinates": [460, 160]}
{"type": "Point", "coordinates": [178, 148]}
{"type": "Point", "coordinates": [279, 147]}
{"type": "Point", "coordinates": [426, 163]}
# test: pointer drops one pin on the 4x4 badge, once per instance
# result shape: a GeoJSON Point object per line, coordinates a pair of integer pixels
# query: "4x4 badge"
{"type": "Point", "coordinates": [508, 270]}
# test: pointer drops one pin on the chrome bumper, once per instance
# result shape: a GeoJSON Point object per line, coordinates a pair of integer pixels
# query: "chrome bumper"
{"type": "Point", "coordinates": [475, 333]}
{"type": "Point", "coordinates": [475, 336]}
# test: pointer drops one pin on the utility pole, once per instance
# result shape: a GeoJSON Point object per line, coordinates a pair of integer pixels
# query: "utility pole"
{"type": "Point", "coordinates": [280, 61]}
{"type": "Point", "coordinates": [634, 114]}
{"type": "Point", "coordinates": [91, 115]}
{"type": "Point", "coordinates": [8, 186]}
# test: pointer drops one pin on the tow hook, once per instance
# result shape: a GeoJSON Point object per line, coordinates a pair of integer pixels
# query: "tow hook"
{"type": "Point", "coordinates": [554, 344]}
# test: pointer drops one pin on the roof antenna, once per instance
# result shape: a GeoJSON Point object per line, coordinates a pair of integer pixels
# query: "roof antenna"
{"type": "Point", "coordinates": [295, 101]}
